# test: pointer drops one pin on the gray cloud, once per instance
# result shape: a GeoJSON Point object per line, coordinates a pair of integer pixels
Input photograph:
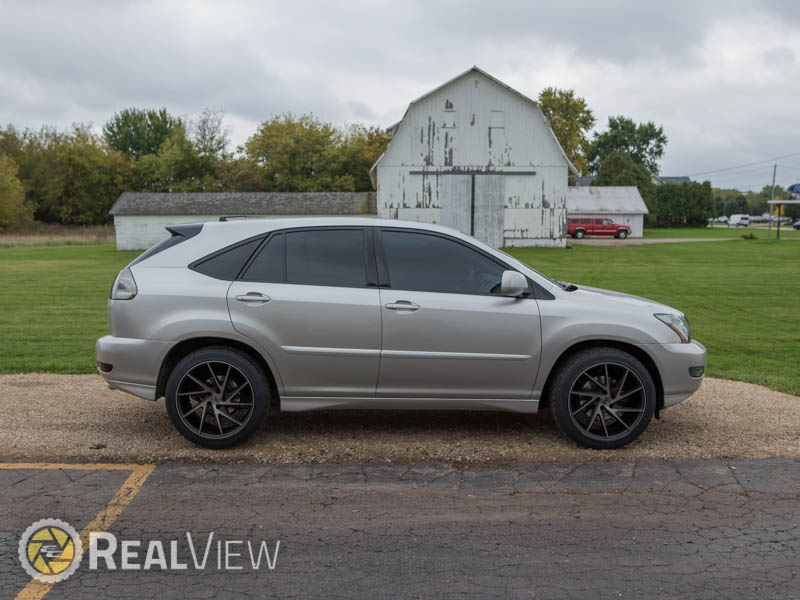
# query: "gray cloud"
{"type": "Point", "coordinates": [722, 77]}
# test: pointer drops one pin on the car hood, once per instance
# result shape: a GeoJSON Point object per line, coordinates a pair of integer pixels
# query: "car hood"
{"type": "Point", "coordinates": [598, 294]}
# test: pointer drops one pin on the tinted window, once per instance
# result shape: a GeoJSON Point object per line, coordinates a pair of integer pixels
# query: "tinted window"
{"type": "Point", "coordinates": [587, 221]}
{"type": "Point", "coordinates": [598, 221]}
{"type": "Point", "coordinates": [227, 264]}
{"type": "Point", "coordinates": [268, 264]}
{"type": "Point", "coordinates": [418, 261]}
{"type": "Point", "coordinates": [608, 222]}
{"type": "Point", "coordinates": [326, 257]}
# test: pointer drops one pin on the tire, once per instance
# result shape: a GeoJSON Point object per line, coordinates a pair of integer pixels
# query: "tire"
{"type": "Point", "coordinates": [622, 234]}
{"type": "Point", "coordinates": [217, 412]}
{"type": "Point", "coordinates": [579, 234]}
{"type": "Point", "coordinates": [623, 419]}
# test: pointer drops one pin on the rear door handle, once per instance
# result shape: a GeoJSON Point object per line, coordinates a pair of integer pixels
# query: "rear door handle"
{"type": "Point", "coordinates": [254, 297]}
{"type": "Point", "coordinates": [403, 305]}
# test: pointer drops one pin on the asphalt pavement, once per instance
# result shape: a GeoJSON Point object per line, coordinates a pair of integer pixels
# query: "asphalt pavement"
{"type": "Point", "coordinates": [649, 529]}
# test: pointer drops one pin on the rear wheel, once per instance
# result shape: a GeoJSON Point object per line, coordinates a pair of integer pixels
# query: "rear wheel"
{"type": "Point", "coordinates": [580, 233]}
{"type": "Point", "coordinates": [603, 398]}
{"type": "Point", "coordinates": [217, 397]}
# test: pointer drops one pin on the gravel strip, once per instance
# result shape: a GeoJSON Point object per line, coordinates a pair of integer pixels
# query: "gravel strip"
{"type": "Point", "coordinates": [76, 418]}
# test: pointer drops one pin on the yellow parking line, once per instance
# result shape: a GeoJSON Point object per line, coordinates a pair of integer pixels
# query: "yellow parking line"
{"type": "Point", "coordinates": [35, 590]}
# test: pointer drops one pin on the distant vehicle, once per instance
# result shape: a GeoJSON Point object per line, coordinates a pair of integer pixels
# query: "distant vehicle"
{"type": "Point", "coordinates": [796, 225]}
{"type": "Point", "coordinates": [738, 221]}
{"type": "Point", "coordinates": [579, 227]}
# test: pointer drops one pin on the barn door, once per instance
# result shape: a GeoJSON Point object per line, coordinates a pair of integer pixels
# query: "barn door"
{"type": "Point", "coordinates": [488, 209]}
{"type": "Point", "coordinates": [455, 199]}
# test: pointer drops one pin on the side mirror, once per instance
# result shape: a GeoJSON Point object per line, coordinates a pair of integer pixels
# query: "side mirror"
{"type": "Point", "coordinates": [513, 284]}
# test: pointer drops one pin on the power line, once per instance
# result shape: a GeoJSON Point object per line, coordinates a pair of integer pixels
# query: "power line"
{"type": "Point", "coordinates": [760, 162]}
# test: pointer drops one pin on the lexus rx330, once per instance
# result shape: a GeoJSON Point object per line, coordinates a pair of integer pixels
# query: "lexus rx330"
{"type": "Point", "coordinates": [231, 321]}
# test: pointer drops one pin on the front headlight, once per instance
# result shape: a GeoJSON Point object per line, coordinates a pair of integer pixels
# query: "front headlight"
{"type": "Point", "coordinates": [124, 287]}
{"type": "Point", "coordinates": [678, 323]}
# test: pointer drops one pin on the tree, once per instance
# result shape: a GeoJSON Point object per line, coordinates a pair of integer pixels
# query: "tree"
{"type": "Point", "coordinates": [14, 211]}
{"type": "Point", "coordinates": [619, 168]}
{"type": "Point", "coordinates": [303, 154]}
{"type": "Point", "coordinates": [209, 135]}
{"type": "Point", "coordinates": [685, 204]}
{"type": "Point", "coordinates": [644, 143]}
{"type": "Point", "coordinates": [571, 120]}
{"type": "Point", "coordinates": [361, 148]}
{"type": "Point", "coordinates": [178, 167]}
{"type": "Point", "coordinates": [137, 132]}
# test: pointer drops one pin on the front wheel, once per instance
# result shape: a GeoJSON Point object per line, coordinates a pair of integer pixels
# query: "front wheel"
{"type": "Point", "coordinates": [217, 397]}
{"type": "Point", "coordinates": [603, 398]}
{"type": "Point", "coordinates": [622, 234]}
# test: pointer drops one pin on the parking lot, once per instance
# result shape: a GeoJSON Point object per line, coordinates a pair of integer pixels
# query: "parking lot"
{"type": "Point", "coordinates": [656, 529]}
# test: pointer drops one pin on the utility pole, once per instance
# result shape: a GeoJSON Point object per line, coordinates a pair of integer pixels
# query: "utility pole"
{"type": "Point", "coordinates": [769, 212]}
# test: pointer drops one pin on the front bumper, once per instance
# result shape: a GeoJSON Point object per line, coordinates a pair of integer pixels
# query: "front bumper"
{"type": "Point", "coordinates": [134, 363]}
{"type": "Point", "coordinates": [673, 362]}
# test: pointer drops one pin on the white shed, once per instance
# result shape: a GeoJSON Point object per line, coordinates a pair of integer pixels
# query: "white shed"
{"type": "Point", "coordinates": [476, 155]}
{"type": "Point", "coordinates": [140, 218]}
{"type": "Point", "coordinates": [621, 204]}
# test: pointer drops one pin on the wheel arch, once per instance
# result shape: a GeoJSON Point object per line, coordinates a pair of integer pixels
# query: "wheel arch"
{"type": "Point", "coordinates": [186, 347]}
{"type": "Point", "coordinates": [631, 349]}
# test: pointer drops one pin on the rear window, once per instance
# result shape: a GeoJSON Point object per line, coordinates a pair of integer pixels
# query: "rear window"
{"type": "Point", "coordinates": [227, 263]}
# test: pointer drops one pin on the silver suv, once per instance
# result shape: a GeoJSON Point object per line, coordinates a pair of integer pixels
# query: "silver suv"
{"type": "Point", "coordinates": [232, 320]}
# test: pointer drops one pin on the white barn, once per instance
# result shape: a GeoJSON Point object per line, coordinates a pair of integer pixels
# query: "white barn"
{"type": "Point", "coordinates": [476, 155]}
{"type": "Point", "coordinates": [622, 204]}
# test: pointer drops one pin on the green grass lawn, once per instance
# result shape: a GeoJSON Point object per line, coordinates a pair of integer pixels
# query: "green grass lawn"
{"type": "Point", "coordinates": [742, 298]}
{"type": "Point", "coordinates": [53, 305]}
{"type": "Point", "coordinates": [718, 231]}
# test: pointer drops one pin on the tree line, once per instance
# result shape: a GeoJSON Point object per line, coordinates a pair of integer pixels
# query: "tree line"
{"type": "Point", "coordinates": [73, 177]}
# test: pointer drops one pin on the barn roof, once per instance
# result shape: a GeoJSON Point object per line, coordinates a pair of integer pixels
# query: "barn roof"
{"type": "Point", "coordinates": [605, 200]}
{"type": "Point", "coordinates": [245, 203]}
{"type": "Point", "coordinates": [474, 69]}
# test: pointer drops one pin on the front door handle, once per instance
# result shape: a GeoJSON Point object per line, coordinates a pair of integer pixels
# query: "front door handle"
{"type": "Point", "coordinates": [254, 297]}
{"type": "Point", "coordinates": [403, 305]}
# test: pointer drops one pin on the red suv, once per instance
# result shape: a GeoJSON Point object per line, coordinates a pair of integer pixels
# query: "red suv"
{"type": "Point", "coordinates": [579, 227]}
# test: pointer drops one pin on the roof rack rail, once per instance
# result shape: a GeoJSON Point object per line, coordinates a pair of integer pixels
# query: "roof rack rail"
{"type": "Point", "coordinates": [232, 217]}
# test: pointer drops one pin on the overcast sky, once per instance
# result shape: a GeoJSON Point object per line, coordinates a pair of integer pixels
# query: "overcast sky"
{"type": "Point", "coordinates": [723, 78]}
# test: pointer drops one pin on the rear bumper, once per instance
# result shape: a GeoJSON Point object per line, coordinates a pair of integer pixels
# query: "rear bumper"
{"type": "Point", "coordinates": [673, 362]}
{"type": "Point", "coordinates": [134, 364]}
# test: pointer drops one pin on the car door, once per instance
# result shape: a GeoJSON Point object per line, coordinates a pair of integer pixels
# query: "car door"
{"type": "Point", "coordinates": [447, 330]}
{"type": "Point", "coordinates": [309, 296]}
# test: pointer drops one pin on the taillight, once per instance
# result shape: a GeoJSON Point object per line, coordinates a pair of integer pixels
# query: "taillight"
{"type": "Point", "coordinates": [124, 287]}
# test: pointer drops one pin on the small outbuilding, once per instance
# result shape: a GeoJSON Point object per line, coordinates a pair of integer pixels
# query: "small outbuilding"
{"type": "Point", "coordinates": [140, 218]}
{"type": "Point", "coordinates": [622, 204]}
